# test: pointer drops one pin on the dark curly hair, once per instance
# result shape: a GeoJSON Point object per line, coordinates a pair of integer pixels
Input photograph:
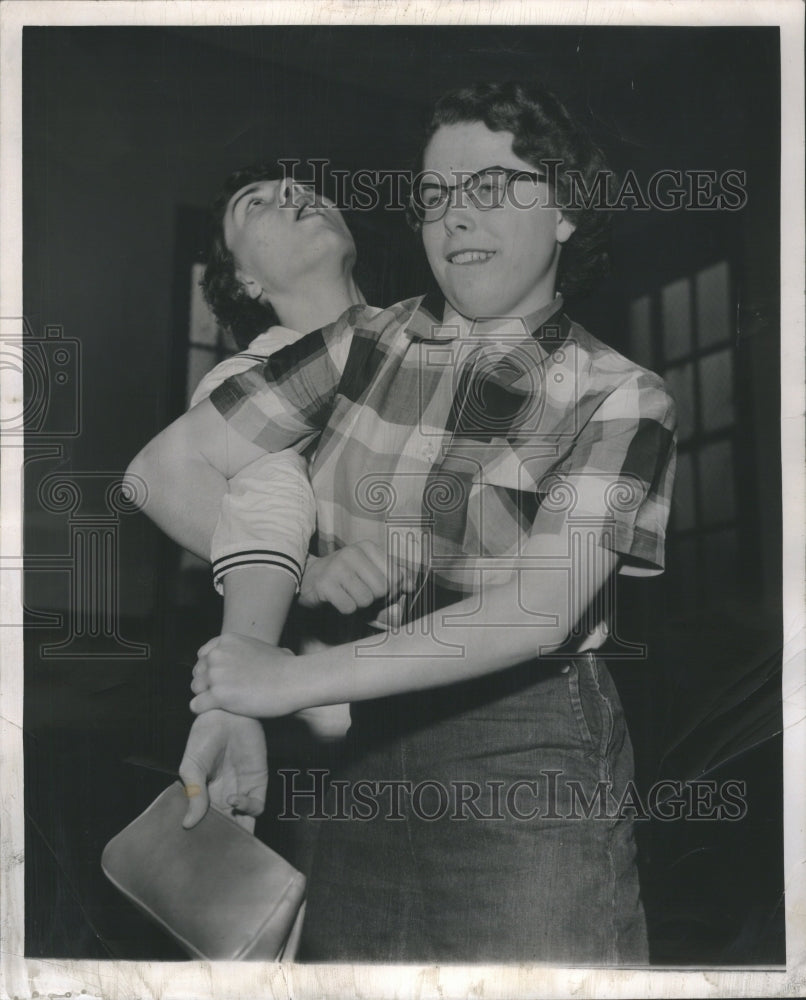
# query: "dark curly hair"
{"type": "Point", "coordinates": [243, 316]}
{"type": "Point", "coordinates": [543, 130]}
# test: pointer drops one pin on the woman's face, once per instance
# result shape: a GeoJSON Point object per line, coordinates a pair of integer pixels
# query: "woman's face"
{"type": "Point", "coordinates": [282, 235]}
{"type": "Point", "coordinates": [498, 262]}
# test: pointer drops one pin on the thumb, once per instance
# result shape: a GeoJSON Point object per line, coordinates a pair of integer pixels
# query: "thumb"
{"type": "Point", "coordinates": [195, 782]}
{"type": "Point", "coordinates": [203, 703]}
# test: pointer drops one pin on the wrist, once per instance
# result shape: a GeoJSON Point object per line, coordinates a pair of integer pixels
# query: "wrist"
{"type": "Point", "coordinates": [305, 677]}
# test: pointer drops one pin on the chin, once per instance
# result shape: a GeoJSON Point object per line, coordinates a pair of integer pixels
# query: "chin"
{"type": "Point", "coordinates": [474, 298]}
{"type": "Point", "coordinates": [473, 306]}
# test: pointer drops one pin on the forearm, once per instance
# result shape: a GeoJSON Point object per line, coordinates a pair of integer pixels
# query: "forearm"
{"type": "Point", "coordinates": [257, 601]}
{"type": "Point", "coordinates": [439, 652]}
{"type": "Point", "coordinates": [467, 640]}
{"type": "Point", "coordinates": [501, 626]}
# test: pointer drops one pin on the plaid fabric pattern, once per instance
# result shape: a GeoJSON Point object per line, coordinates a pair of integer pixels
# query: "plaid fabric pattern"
{"type": "Point", "coordinates": [455, 451]}
{"type": "Point", "coordinates": [268, 516]}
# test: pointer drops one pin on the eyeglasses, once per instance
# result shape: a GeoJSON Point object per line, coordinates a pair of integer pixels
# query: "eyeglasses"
{"type": "Point", "coordinates": [485, 189]}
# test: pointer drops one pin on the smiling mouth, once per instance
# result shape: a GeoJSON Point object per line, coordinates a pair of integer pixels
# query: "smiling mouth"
{"type": "Point", "coordinates": [470, 256]}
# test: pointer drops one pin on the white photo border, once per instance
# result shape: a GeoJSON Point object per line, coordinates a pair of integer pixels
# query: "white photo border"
{"type": "Point", "coordinates": [21, 977]}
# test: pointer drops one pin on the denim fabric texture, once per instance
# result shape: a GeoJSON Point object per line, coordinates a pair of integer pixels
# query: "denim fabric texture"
{"type": "Point", "coordinates": [512, 877]}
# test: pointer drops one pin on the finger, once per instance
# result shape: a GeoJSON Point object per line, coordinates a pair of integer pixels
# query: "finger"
{"type": "Point", "coordinates": [355, 561]}
{"type": "Point", "coordinates": [210, 644]}
{"type": "Point", "coordinates": [248, 805]}
{"type": "Point", "coordinates": [373, 552]}
{"type": "Point", "coordinates": [252, 791]}
{"type": "Point", "coordinates": [199, 683]}
{"type": "Point", "coordinates": [200, 667]}
{"type": "Point", "coordinates": [377, 583]}
{"type": "Point", "coordinates": [359, 576]}
{"type": "Point", "coordinates": [361, 594]}
{"type": "Point", "coordinates": [375, 569]}
{"type": "Point", "coordinates": [195, 781]}
{"type": "Point", "coordinates": [336, 595]}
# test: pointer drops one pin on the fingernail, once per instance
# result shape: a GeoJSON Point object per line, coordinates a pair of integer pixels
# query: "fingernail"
{"type": "Point", "coordinates": [191, 791]}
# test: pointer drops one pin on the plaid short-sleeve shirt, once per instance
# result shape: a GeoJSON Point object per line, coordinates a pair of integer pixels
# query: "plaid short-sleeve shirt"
{"type": "Point", "coordinates": [455, 450]}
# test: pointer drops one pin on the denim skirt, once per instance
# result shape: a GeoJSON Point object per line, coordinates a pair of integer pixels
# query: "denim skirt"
{"type": "Point", "coordinates": [479, 822]}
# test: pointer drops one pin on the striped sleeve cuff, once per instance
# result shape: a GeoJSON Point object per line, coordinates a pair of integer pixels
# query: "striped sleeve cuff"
{"type": "Point", "coordinates": [254, 557]}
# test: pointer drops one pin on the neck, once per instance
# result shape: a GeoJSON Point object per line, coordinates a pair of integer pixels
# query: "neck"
{"type": "Point", "coordinates": [320, 303]}
{"type": "Point", "coordinates": [524, 321]}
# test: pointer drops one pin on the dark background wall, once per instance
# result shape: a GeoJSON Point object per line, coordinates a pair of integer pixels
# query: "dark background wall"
{"type": "Point", "coordinates": [127, 133]}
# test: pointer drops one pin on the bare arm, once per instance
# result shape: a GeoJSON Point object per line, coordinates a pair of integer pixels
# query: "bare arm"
{"type": "Point", "coordinates": [500, 631]}
{"type": "Point", "coordinates": [185, 469]}
{"type": "Point", "coordinates": [257, 602]}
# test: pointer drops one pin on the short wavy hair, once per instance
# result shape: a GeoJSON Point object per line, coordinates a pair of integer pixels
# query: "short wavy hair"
{"type": "Point", "coordinates": [243, 316]}
{"type": "Point", "coordinates": [543, 130]}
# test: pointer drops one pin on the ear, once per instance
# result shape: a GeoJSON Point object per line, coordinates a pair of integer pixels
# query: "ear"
{"type": "Point", "coordinates": [565, 228]}
{"type": "Point", "coordinates": [250, 285]}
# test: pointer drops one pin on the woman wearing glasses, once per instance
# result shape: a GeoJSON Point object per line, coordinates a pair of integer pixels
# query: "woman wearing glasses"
{"type": "Point", "coordinates": [515, 464]}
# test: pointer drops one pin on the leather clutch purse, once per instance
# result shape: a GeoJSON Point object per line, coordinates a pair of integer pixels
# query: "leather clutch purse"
{"type": "Point", "coordinates": [221, 893]}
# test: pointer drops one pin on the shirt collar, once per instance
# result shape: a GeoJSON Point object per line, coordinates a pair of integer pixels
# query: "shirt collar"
{"type": "Point", "coordinates": [424, 324]}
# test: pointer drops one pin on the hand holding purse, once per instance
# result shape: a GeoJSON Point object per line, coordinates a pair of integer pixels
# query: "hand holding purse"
{"type": "Point", "coordinates": [217, 890]}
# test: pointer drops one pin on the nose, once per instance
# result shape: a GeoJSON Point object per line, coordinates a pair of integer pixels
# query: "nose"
{"type": "Point", "coordinates": [296, 194]}
{"type": "Point", "coordinates": [305, 194]}
{"type": "Point", "coordinates": [459, 212]}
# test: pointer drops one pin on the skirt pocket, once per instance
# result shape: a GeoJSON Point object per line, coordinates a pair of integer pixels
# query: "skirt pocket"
{"type": "Point", "coordinates": [571, 672]}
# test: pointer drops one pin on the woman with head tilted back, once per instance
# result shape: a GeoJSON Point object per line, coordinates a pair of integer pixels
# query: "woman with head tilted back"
{"type": "Point", "coordinates": [517, 464]}
{"type": "Point", "coordinates": [280, 264]}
